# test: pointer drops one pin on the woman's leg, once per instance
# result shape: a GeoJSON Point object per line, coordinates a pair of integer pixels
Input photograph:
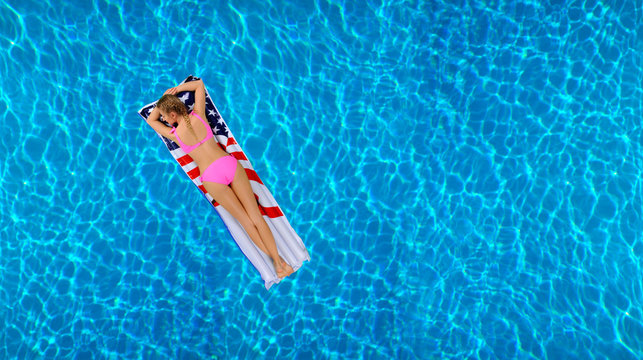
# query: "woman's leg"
{"type": "Point", "coordinates": [242, 189]}
{"type": "Point", "coordinates": [227, 198]}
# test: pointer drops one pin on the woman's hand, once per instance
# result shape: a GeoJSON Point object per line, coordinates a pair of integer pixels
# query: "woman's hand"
{"type": "Point", "coordinates": [188, 86]}
{"type": "Point", "coordinates": [171, 91]}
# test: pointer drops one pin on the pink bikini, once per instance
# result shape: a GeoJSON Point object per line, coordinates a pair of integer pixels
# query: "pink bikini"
{"type": "Point", "coordinates": [220, 171]}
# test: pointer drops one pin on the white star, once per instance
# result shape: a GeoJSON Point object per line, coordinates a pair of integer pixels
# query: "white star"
{"type": "Point", "coordinates": [185, 97]}
{"type": "Point", "coordinates": [211, 112]}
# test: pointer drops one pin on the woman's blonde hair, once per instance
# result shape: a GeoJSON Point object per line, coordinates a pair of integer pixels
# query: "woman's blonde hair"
{"type": "Point", "coordinates": [169, 103]}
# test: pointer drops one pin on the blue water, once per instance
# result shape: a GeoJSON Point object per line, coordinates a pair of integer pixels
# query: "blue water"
{"type": "Point", "coordinates": [466, 177]}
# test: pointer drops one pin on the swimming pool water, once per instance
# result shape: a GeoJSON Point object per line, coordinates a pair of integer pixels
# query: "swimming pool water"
{"type": "Point", "coordinates": [466, 177]}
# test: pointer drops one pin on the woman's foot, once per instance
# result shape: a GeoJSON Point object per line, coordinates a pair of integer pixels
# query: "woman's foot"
{"type": "Point", "coordinates": [282, 268]}
{"type": "Point", "coordinates": [281, 272]}
{"type": "Point", "coordinates": [287, 267]}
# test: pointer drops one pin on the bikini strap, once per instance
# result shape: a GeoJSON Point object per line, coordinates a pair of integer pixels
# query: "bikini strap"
{"type": "Point", "coordinates": [200, 118]}
{"type": "Point", "coordinates": [181, 144]}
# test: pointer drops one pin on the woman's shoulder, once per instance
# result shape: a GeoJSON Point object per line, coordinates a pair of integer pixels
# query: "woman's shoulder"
{"type": "Point", "coordinates": [198, 115]}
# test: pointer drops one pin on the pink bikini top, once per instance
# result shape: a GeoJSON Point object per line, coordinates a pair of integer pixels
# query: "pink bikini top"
{"type": "Point", "coordinates": [189, 148]}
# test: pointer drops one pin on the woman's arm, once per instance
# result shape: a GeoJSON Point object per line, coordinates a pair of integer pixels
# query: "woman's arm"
{"type": "Point", "coordinates": [158, 126]}
{"type": "Point", "coordinates": [199, 94]}
{"type": "Point", "coordinates": [190, 86]}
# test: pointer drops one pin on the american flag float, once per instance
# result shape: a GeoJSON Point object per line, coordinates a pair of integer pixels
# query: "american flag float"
{"type": "Point", "coordinates": [289, 244]}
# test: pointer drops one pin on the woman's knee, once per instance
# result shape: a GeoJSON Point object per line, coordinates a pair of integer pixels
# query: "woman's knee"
{"type": "Point", "coordinates": [247, 223]}
{"type": "Point", "coordinates": [257, 218]}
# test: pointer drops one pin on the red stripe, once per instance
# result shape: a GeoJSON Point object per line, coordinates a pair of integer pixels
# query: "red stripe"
{"type": "Point", "coordinates": [184, 160]}
{"type": "Point", "coordinates": [194, 173]}
{"type": "Point", "coordinates": [239, 155]}
{"type": "Point", "coordinates": [252, 175]}
{"type": "Point", "coordinates": [231, 141]}
{"type": "Point", "coordinates": [271, 212]}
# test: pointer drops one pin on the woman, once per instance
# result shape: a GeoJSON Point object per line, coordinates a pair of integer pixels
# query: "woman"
{"type": "Point", "coordinates": [222, 175]}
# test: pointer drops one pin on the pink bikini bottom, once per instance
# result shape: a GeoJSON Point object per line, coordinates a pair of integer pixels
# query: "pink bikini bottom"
{"type": "Point", "coordinates": [221, 171]}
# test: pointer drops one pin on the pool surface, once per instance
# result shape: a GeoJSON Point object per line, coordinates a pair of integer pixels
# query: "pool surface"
{"type": "Point", "coordinates": [466, 178]}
